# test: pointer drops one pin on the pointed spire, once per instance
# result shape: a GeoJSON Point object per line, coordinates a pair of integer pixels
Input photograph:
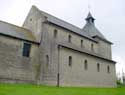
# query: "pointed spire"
{"type": "Point", "coordinates": [89, 15]}
{"type": "Point", "coordinates": [90, 18]}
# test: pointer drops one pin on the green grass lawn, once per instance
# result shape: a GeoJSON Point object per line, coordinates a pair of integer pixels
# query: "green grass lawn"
{"type": "Point", "coordinates": [26, 89]}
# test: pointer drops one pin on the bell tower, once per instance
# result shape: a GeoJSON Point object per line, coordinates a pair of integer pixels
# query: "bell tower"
{"type": "Point", "coordinates": [90, 19]}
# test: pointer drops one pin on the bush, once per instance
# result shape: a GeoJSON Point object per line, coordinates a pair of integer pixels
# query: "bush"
{"type": "Point", "coordinates": [119, 82]}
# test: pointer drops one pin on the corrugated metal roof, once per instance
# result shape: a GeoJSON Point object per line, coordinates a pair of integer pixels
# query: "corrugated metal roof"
{"type": "Point", "coordinates": [16, 31]}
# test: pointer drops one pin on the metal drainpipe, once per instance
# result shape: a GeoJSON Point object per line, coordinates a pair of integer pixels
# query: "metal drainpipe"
{"type": "Point", "coordinates": [58, 74]}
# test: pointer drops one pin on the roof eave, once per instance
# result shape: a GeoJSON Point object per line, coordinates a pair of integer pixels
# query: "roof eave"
{"type": "Point", "coordinates": [34, 42]}
{"type": "Point", "coordinates": [87, 53]}
{"type": "Point", "coordinates": [96, 36]}
{"type": "Point", "coordinates": [49, 22]}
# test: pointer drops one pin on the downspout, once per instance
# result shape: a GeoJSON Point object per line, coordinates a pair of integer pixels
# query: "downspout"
{"type": "Point", "coordinates": [58, 68]}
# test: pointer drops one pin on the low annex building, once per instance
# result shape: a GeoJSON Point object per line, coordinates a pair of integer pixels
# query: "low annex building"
{"type": "Point", "coordinates": [47, 50]}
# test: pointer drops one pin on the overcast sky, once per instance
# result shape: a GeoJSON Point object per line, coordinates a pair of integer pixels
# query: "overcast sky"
{"type": "Point", "coordinates": [109, 15]}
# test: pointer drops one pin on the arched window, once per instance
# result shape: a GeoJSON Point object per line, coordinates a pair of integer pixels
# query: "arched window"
{"type": "Point", "coordinates": [85, 65]}
{"type": "Point", "coordinates": [108, 69]}
{"type": "Point", "coordinates": [47, 60]}
{"type": "Point", "coordinates": [81, 43]}
{"type": "Point", "coordinates": [70, 60]}
{"type": "Point", "coordinates": [98, 67]}
{"type": "Point", "coordinates": [69, 38]}
{"type": "Point", "coordinates": [92, 47]}
{"type": "Point", "coordinates": [55, 33]}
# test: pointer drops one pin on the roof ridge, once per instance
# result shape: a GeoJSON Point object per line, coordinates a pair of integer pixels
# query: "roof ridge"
{"type": "Point", "coordinates": [64, 24]}
{"type": "Point", "coordinates": [59, 19]}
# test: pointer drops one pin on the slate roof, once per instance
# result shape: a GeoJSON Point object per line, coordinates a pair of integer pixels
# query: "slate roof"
{"type": "Point", "coordinates": [65, 25]}
{"type": "Point", "coordinates": [74, 29]}
{"type": "Point", "coordinates": [16, 31]}
{"type": "Point", "coordinates": [19, 32]}
{"type": "Point", "coordinates": [73, 47]}
{"type": "Point", "coordinates": [90, 16]}
{"type": "Point", "coordinates": [90, 28]}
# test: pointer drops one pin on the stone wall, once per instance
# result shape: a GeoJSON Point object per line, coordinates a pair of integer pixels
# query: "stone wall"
{"type": "Point", "coordinates": [62, 36]}
{"type": "Point", "coordinates": [13, 66]}
{"type": "Point", "coordinates": [105, 49]}
{"type": "Point", "coordinates": [33, 22]}
{"type": "Point", "coordinates": [57, 60]}
{"type": "Point", "coordinates": [76, 75]}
